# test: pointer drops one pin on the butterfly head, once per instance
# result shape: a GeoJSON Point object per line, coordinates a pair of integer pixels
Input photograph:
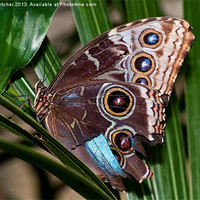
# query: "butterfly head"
{"type": "Point", "coordinates": [39, 86]}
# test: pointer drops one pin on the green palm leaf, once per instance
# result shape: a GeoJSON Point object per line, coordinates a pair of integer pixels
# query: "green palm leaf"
{"type": "Point", "coordinates": [168, 162]}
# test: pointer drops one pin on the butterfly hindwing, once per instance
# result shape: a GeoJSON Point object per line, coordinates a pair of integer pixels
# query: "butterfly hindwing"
{"type": "Point", "coordinates": [118, 112]}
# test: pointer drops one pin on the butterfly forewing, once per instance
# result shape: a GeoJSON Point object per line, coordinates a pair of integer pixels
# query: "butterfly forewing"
{"type": "Point", "coordinates": [124, 54]}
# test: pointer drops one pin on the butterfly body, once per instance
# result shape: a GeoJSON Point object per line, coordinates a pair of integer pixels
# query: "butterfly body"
{"type": "Point", "coordinates": [111, 96]}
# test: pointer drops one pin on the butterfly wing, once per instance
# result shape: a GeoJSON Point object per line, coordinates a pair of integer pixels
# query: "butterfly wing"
{"type": "Point", "coordinates": [102, 121]}
{"type": "Point", "coordinates": [111, 95]}
{"type": "Point", "coordinates": [148, 52]}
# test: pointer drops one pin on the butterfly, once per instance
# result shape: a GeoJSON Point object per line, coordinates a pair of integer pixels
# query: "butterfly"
{"type": "Point", "coordinates": [110, 97]}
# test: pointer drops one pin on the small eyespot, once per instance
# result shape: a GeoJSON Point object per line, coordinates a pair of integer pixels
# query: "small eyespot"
{"type": "Point", "coordinates": [141, 79]}
{"type": "Point", "coordinates": [118, 101]}
{"type": "Point", "coordinates": [122, 141]}
{"type": "Point", "coordinates": [150, 38]}
{"type": "Point", "coordinates": [143, 63]}
{"type": "Point", "coordinates": [117, 155]}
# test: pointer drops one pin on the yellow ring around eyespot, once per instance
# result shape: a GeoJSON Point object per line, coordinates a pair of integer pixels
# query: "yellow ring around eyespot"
{"type": "Point", "coordinates": [142, 54]}
{"type": "Point", "coordinates": [147, 31]}
{"type": "Point", "coordinates": [113, 140]}
{"type": "Point", "coordinates": [137, 76]}
{"type": "Point", "coordinates": [121, 157]}
{"type": "Point", "coordinates": [107, 106]}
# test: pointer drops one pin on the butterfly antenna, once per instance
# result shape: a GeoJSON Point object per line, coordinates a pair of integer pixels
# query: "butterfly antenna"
{"type": "Point", "coordinates": [43, 79]}
{"type": "Point", "coordinates": [55, 57]}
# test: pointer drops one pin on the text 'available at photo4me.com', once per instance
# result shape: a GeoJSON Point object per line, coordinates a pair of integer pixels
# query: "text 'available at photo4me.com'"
{"type": "Point", "coordinates": [45, 4]}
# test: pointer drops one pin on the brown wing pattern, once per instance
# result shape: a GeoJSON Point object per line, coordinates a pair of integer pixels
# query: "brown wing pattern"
{"type": "Point", "coordinates": [85, 111]}
{"type": "Point", "coordinates": [116, 88]}
{"type": "Point", "coordinates": [116, 54]}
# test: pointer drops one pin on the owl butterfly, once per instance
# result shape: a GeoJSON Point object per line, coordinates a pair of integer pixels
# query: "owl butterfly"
{"type": "Point", "coordinates": [110, 97]}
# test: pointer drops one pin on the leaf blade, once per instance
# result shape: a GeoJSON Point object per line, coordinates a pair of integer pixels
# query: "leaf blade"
{"type": "Point", "coordinates": [21, 36]}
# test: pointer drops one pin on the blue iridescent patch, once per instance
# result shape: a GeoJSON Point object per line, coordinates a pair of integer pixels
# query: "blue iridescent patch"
{"type": "Point", "coordinates": [100, 151]}
{"type": "Point", "coordinates": [143, 64]}
{"type": "Point", "coordinates": [151, 38]}
{"type": "Point", "coordinates": [142, 81]}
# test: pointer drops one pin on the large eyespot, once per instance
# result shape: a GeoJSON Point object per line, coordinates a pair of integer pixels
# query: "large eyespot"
{"type": "Point", "coordinates": [150, 38]}
{"type": "Point", "coordinates": [118, 156]}
{"type": "Point", "coordinates": [142, 80]}
{"type": "Point", "coordinates": [122, 141]}
{"type": "Point", "coordinates": [118, 101]}
{"type": "Point", "coordinates": [143, 63]}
